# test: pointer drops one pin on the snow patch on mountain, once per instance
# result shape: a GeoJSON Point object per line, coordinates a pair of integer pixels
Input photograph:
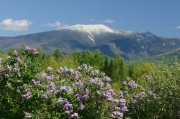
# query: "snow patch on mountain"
{"type": "Point", "coordinates": [91, 30]}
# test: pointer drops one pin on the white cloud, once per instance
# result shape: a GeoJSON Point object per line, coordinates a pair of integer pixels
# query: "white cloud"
{"type": "Point", "coordinates": [56, 24]}
{"type": "Point", "coordinates": [15, 25]}
{"type": "Point", "coordinates": [92, 19]}
{"type": "Point", "coordinates": [107, 21]}
{"type": "Point", "coordinates": [178, 27]}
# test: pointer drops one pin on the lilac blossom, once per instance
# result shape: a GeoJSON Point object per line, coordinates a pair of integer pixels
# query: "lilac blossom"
{"type": "Point", "coordinates": [93, 81]}
{"type": "Point", "coordinates": [1, 59]}
{"type": "Point", "coordinates": [15, 52]}
{"type": "Point", "coordinates": [79, 83]}
{"type": "Point", "coordinates": [142, 94]}
{"type": "Point", "coordinates": [100, 84]}
{"type": "Point", "coordinates": [52, 86]}
{"type": "Point", "coordinates": [75, 115]}
{"type": "Point", "coordinates": [8, 68]}
{"type": "Point", "coordinates": [63, 88]}
{"type": "Point", "coordinates": [69, 89]}
{"type": "Point", "coordinates": [42, 75]}
{"type": "Point", "coordinates": [122, 105]}
{"type": "Point", "coordinates": [125, 82]}
{"type": "Point", "coordinates": [107, 79]}
{"type": "Point", "coordinates": [27, 48]}
{"type": "Point", "coordinates": [18, 58]}
{"type": "Point", "coordinates": [44, 96]}
{"type": "Point", "coordinates": [28, 115]}
{"type": "Point", "coordinates": [79, 68]}
{"type": "Point", "coordinates": [149, 76]}
{"type": "Point", "coordinates": [67, 106]}
{"type": "Point", "coordinates": [27, 95]}
{"type": "Point", "coordinates": [8, 84]}
{"type": "Point", "coordinates": [132, 84]}
{"type": "Point", "coordinates": [50, 68]}
{"type": "Point", "coordinates": [49, 92]}
{"type": "Point", "coordinates": [35, 52]}
{"type": "Point", "coordinates": [117, 114]}
{"type": "Point", "coordinates": [87, 91]}
{"type": "Point", "coordinates": [49, 78]}
{"type": "Point", "coordinates": [9, 57]}
{"type": "Point", "coordinates": [60, 100]}
{"type": "Point", "coordinates": [81, 106]}
{"type": "Point", "coordinates": [150, 93]}
{"type": "Point", "coordinates": [121, 94]}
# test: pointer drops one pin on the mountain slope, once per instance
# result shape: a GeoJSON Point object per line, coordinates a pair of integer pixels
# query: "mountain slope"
{"type": "Point", "coordinates": [129, 44]}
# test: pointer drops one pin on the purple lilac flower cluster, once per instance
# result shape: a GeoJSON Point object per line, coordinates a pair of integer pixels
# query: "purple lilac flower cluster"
{"type": "Point", "coordinates": [72, 72]}
{"type": "Point", "coordinates": [66, 107]}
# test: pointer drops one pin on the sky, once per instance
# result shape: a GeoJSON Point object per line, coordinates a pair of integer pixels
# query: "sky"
{"type": "Point", "coordinates": [20, 17]}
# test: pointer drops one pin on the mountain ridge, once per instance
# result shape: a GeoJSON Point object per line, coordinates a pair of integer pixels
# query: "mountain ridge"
{"type": "Point", "coordinates": [129, 44]}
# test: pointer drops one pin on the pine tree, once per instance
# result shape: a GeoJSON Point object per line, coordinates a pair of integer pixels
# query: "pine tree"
{"type": "Point", "coordinates": [57, 54]}
{"type": "Point", "coordinates": [98, 59]}
{"type": "Point", "coordinates": [88, 57]}
{"type": "Point", "coordinates": [106, 66]}
{"type": "Point", "coordinates": [77, 56]}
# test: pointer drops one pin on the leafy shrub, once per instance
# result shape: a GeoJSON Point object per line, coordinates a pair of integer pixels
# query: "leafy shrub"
{"type": "Point", "coordinates": [29, 92]}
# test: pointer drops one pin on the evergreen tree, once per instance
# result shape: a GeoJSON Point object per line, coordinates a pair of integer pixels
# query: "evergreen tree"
{"type": "Point", "coordinates": [130, 70]}
{"type": "Point", "coordinates": [106, 66]}
{"type": "Point", "coordinates": [88, 57]}
{"type": "Point", "coordinates": [77, 56]}
{"type": "Point", "coordinates": [111, 69]}
{"type": "Point", "coordinates": [57, 54]}
{"type": "Point", "coordinates": [98, 59]}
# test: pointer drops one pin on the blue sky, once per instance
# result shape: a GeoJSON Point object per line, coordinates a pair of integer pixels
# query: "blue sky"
{"type": "Point", "coordinates": [19, 17]}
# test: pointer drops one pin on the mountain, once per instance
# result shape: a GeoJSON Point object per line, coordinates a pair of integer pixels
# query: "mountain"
{"type": "Point", "coordinates": [167, 58]}
{"type": "Point", "coordinates": [129, 44]}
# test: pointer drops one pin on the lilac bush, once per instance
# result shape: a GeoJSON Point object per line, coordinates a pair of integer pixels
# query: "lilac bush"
{"type": "Point", "coordinates": [29, 92]}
